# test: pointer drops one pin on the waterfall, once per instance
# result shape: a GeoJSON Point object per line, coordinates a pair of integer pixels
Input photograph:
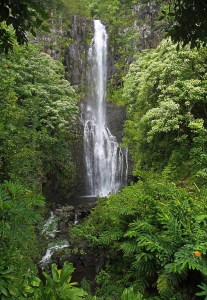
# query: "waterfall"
{"type": "Point", "coordinates": [106, 162]}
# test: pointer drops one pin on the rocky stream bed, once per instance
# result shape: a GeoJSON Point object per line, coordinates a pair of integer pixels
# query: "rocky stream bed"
{"type": "Point", "coordinates": [61, 249]}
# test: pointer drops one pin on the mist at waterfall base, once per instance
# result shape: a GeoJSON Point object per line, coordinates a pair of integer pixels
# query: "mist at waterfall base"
{"type": "Point", "coordinates": [105, 162]}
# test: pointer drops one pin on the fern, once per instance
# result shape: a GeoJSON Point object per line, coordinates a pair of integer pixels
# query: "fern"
{"type": "Point", "coordinates": [159, 245]}
{"type": "Point", "coordinates": [203, 287]}
{"type": "Point", "coordinates": [139, 226]}
{"type": "Point", "coordinates": [168, 283]}
{"type": "Point", "coordinates": [145, 264]}
{"type": "Point", "coordinates": [185, 259]}
{"type": "Point", "coordinates": [141, 283]}
{"type": "Point", "coordinates": [129, 247]}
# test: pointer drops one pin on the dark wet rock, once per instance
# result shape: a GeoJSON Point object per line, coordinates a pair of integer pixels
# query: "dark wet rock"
{"type": "Point", "coordinates": [65, 217]}
{"type": "Point", "coordinates": [131, 179]}
{"type": "Point", "coordinates": [61, 226]}
{"type": "Point", "coordinates": [87, 262]}
{"type": "Point", "coordinates": [63, 209]}
{"type": "Point", "coordinates": [85, 209]}
{"type": "Point", "coordinates": [150, 31]}
{"type": "Point", "coordinates": [88, 265]}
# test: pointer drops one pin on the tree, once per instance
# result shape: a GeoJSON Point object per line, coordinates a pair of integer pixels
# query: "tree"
{"type": "Point", "coordinates": [165, 93]}
{"type": "Point", "coordinates": [24, 16]}
{"type": "Point", "coordinates": [19, 218]}
{"type": "Point", "coordinates": [38, 117]}
{"type": "Point", "coordinates": [188, 22]}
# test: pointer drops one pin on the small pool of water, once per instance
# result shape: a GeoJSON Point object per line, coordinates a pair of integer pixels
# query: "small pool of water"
{"type": "Point", "coordinates": [78, 200]}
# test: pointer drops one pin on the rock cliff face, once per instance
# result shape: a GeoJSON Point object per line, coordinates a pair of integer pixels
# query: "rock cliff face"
{"type": "Point", "coordinates": [80, 36]}
{"type": "Point", "coordinates": [150, 33]}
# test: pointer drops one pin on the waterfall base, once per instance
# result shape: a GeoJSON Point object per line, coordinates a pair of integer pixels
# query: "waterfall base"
{"type": "Point", "coordinates": [82, 199]}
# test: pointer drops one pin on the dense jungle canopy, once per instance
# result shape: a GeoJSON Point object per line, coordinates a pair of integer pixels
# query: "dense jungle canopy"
{"type": "Point", "coordinates": [152, 233]}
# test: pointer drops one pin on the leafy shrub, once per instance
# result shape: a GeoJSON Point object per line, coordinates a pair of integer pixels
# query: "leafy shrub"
{"type": "Point", "coordinates": [38, 113]}
{"type": "Point", "coordinates": [59, 287]}
{"type": "Point", "coordinates": [165, 94]}
{"type": "Point", "coordinates": [154, 234]}
{"type": "Point", "coordinates": [19, 216]}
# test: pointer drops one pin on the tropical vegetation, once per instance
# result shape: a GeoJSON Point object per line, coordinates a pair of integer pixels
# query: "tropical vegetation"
{"type": "Point", "coordinates": [153, 232]}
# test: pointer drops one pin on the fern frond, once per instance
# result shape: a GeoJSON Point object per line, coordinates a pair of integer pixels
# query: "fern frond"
{"type": "Point", "coordinates": [163, 285]}
{"type": "Point", "coordinates": [145, 263]}
{"type": "Point", "coordinates": [141, 283]}
{"type": "Point", "coordinates": [129, 247]}
{"type": "Point", "coordinates": [167, 283]}
{"type": "Point", "coordinates": [203, 287]}
{"type": "Point", "coordinates": [139, 226]}
{"type": "Point", "coordinates": [185, 259]}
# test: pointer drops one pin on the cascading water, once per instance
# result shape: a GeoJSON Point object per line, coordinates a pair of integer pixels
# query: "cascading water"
{"type": "Point", "coordinates": [106, 162]}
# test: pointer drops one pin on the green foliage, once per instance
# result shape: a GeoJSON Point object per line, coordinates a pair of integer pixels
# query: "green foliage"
{"type": "Point", "coordinates": [128, 294]}
{"type": "Point", "coordinates": [38, 113]}
{"type": "Point", "coordinates": [7, 288]}
{"type": "Point", "coordinates": [60, 23]}
{"type": "Point", "coordinates": [165, 93]}
{"type": "Point", "coordinates": [23, 16]}
{"type": "Point", "coordinates": [188, 22]}
{"type": "Point", "coordinates": [154, 234]}
{"type": "Point", "coordinates": [76, 7]}
{"type": "Point", "coordinates": [59, 287]}
{"type": "Point", "coordinates": [203, 287]}
{"type": "Point", "coordinates": [19, 216]}
{"type": "Point", "coordinates": [55, 287]}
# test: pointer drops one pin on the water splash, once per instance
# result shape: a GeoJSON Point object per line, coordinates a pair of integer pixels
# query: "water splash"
{"type": "Point", "coordinates": [52, 248]}
{"type": "Point", "coordinates": [106, 162]}
{"type": "Point", "coordinates": [50, 227]}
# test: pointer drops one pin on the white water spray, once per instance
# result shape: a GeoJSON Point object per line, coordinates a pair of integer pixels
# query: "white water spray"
{"type": "Point", "coordinates": [106, 163]}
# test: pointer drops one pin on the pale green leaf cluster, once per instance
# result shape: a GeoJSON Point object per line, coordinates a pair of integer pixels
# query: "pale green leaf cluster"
{"type": "Point", "coordinates": [38, 119]}
{"type": "Point", "coordinates": [59, 285]}
{"type": "Point", "coordinates": [165, 95]}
